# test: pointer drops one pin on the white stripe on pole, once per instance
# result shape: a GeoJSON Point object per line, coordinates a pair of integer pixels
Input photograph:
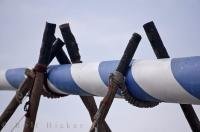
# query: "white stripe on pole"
{"type": "Point", "coordinates": [87, 77]}
{"type": "Point", "coordinates": [154, 75]}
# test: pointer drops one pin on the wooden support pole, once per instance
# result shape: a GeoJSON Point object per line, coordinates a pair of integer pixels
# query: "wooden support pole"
{"type": "Point", "coordinates": [116, 81]}
{"type": "Point", "coordinates": [70, 43]}
{"type": "Point", "coordinates": [27, 85]}
{"type": "Point", "coordinates": [40, 69]}
{"type": "Point", "coordinates": [73, 50]}
{"type": "Point", "coordinates": [34, 103]}
{"type": "Point", "coordinates": [161, 52]}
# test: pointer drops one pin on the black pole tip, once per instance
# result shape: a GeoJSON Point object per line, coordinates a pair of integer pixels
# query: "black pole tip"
{"type": "Point", "coordinates": [65, 25]}
{"type": "Point", "coordinates": [66, 33]}
{"type": "Point", "coordinates": [136, 36]}
{"type": "Point", "coordinates": [148, 24]}
{"type": "Point", "coordinates": [50, 29]}
{"type": "Point", "coordinates": [50, 26]}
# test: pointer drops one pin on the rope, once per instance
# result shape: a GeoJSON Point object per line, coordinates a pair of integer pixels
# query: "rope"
{"type": "Point", "coordinates": [49, 93]}
{"type": "Point", "coordinates": [40, 68]}
{"type": "Point", "coordinates": [118, 79]}
{"type": "Point", "coordinates": [46, 90]}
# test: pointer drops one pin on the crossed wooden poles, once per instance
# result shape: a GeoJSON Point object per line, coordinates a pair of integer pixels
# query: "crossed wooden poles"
{"type": "Point", "coordinates": [36, 78]}
{"type": "Point", "coordinates": [35, 83]}
{"type": "Point", "coordinates": [117, 79]}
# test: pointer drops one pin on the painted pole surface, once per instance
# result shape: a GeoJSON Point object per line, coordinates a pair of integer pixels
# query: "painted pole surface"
{"type": "Point", "coordinates": [164, 80]}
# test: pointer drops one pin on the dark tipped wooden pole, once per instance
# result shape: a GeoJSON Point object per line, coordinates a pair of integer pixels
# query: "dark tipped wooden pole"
{"type": "Point", "coordinates": [56, 52]}
{"type": "Point", "coordinates": [59, 53]}
{"type": "Point", "coordinates": [17, 99]}
{"type": "Point", "coordinates": [155, 40]}
{"type": "Point", "coordinates": [161, 52]}
{"type": "Point", "coordinates": [191, 117]}
{"type": "Point", "coordinates": [73, 50]}
{"type": "Point", "coordinates": [116, 80]}
{"type": "Point", "coordinates": [70, 42]}
{"type": "Point", "coordinates": [27, 84]}
{"type": "Point", "coordinates": [40, 69]}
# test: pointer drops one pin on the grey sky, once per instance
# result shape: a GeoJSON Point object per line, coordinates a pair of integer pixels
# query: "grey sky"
{"type": "Point", "coordinates": [102, 29]}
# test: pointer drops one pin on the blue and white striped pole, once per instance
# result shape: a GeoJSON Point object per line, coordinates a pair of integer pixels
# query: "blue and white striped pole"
{"type": "Point", "coordinates": [164, 80]}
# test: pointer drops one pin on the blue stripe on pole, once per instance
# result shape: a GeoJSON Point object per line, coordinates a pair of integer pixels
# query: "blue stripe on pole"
{"type": "Point", "coordinates": [15, 76]}
{"type": "Point", "coordinates": [60, 77]}
{"type": "Point", "coordinates": [187, 72]}
{"type": "Point", "coordinates": [134, 88]}
{"type": "Point", "coordinates": [105, 69]}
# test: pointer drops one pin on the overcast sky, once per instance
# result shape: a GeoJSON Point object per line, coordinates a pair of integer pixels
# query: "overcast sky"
{"type": "Point", "coordinates": [102, 29]}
